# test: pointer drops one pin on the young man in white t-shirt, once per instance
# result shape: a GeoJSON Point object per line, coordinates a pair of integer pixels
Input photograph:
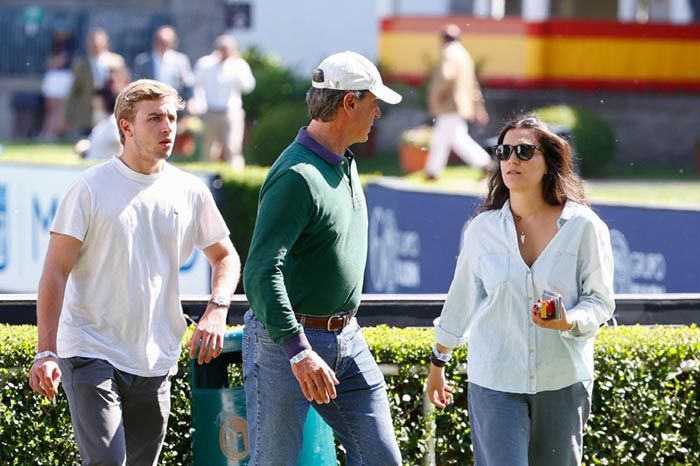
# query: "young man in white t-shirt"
{"type": "Point", "coordinates": [109, 317]}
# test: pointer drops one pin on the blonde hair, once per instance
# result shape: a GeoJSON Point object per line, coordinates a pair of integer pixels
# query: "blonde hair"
{"type": "Point", "coordinates": [138, 91]}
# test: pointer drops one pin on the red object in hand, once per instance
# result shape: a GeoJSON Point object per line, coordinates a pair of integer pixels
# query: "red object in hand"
{"type": "Point", "coordinates": [546, 309]}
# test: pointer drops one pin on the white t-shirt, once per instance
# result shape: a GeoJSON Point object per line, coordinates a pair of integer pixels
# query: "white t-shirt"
{"type": "Point", "coordinates": [122, 299]}
{"type": "Point", "coordinates": [219, 85]}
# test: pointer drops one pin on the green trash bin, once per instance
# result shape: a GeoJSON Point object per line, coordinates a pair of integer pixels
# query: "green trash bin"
{"type": "Point", "coordinates": [220, 430]}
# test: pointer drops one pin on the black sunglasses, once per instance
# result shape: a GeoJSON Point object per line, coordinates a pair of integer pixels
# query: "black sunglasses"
{"type": "Point", "coordinates": [522, 151]}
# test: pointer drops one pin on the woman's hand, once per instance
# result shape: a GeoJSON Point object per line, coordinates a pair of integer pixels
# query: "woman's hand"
{"type": "Point", "coordinates": [563, 324]}
{"type": "Point", "coordinates": [439, 392]}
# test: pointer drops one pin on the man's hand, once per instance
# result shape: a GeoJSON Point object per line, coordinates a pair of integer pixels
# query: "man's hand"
{"type": "Point", "coordinates": [44, 377]}
{"type": "Point", "coordinates": [316, 379]}
{"type": "Point", "coordinates": [210, 332]}
{"type": "Point", "coordinates": [439, 392]}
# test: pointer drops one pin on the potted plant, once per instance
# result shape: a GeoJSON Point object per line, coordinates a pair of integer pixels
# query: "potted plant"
{"type": "Point", "coordinates": [414, 145]}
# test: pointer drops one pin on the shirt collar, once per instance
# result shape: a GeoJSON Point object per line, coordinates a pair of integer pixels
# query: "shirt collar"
{"type": "Point", "coordinates": [330, 157]}
{"type": "Point", "coordinates": [569, 209]}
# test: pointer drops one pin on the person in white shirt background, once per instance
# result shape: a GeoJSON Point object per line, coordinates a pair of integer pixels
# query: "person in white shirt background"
{"type": "Point", "coordinates": [530, 379]}
{"type": "Point", "coordinates": [220, 79]}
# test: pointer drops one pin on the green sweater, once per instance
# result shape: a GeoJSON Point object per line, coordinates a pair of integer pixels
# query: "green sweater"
{"type": "Point", "coordinates": [309, 246]}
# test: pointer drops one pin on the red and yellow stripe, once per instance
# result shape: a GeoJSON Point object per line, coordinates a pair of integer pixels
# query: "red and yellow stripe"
{"type": "Point", "coordinates": [560, 53]}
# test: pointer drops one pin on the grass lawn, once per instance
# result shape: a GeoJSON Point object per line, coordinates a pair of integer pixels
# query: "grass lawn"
{"type": "Point", "coordinates": [627, 185]}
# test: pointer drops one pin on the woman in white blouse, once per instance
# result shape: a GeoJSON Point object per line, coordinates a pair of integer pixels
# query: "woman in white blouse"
{"type": "Point", "coordinates": [530, 379]}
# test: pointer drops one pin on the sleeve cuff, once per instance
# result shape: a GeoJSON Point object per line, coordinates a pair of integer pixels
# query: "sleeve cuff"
{"type": "Point", "coordinates": [446, 338]}
{"type": "Point", "coordinates": [295, 345]}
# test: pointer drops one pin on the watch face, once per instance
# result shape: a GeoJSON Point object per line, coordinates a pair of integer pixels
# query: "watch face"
{"type": "Point", "coordinates": [219, 301]}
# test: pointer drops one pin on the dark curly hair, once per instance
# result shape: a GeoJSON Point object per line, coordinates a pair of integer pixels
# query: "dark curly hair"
{"type": "Point", "coordinates": [560, 183]}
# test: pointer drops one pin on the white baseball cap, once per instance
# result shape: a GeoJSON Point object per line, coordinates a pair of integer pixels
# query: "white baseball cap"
{"type": "Point", "coordinates": [350, 71]}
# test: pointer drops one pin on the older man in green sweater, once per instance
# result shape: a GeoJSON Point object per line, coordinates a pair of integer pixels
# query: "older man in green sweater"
{"type": "Point", "coordinates": [303, 279]}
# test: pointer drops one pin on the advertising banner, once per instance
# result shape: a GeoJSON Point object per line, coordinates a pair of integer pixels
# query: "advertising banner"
{"type": "Point", "coordinates": [414, 241]}
{"type": "Point", "coordinates": [29, 197]}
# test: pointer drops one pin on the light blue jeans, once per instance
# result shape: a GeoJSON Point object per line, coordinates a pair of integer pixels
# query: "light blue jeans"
{"type": "Point", "coordinates": [276, 407]}
{"type": "Point", "coordinates": [514, 429]}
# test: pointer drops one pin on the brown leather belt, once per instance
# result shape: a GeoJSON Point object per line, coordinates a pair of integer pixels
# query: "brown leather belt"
{"type": "Point", "coordinates": [332, 323]}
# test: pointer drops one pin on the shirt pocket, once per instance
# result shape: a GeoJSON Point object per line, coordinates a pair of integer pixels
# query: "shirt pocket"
{"type": "Point", "coordinates": [494, 269]}
{"type": "Point", "coordinates": [563, 275]}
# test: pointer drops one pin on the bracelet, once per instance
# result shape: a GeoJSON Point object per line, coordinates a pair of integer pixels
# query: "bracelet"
{"type": "Point", "coordinates": [297, 358]}
{"type": "Point", "coordinates": [574, 329]}
{"type": "Point", "coordinates": [45, 354]}
{"type": "Point", "coordinates": [439, 359]}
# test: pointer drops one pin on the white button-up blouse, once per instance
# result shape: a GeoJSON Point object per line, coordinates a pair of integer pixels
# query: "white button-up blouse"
{"type": "Point", "coordinates": [493, 290]}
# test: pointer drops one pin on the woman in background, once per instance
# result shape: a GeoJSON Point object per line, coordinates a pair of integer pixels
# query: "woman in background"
{"type": "Point", "coordinates": [56, 84]}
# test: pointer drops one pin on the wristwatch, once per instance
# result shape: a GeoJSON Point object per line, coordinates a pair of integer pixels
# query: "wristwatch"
{"type": "Point", "coordinates": [220, 301]}
{"type": "Point", "coordinates": [300, 356]}
{"type": "Point", "coordinates": [439, 359]}
{"type": "Point", "coordinates": [45, 354]}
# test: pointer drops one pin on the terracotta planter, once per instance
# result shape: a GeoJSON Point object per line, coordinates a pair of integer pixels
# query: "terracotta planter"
{"type": "Point", "coordinates": [411, 158]}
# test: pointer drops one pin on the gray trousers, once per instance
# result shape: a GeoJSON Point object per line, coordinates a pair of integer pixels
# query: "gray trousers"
{"type": "Point", "coordinates": [513, 429]}
{"type": "Point", "coordinates": [118, 418]}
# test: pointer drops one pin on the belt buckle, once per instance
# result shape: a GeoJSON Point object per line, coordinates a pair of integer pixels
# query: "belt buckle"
{"type": "Point", "coordinates": [330, 321]}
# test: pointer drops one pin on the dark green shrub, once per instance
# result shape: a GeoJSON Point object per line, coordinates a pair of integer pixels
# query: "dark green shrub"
{"type": "Point", "coordinates": [239, 205]}
{"type": "Point", "coordinates": [237, 198]}
{"type": "Point", "coordinates": [646, 401]}
{"type": "Point", "coordinates": [274, 131]}
{"type": "Point", "coordinates": [593, 137]}
{"type": "Point", "coordinates": [274, 84]}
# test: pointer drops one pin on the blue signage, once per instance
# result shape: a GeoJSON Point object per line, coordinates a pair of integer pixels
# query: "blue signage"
{"type": "Point", "coordinates": [3, 227]}
{"type": "Point", "coordinates": [414, 241]}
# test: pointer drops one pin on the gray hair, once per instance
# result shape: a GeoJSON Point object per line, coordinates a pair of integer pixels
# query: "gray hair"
{"type": "Point", "coordinates": [324, 103]}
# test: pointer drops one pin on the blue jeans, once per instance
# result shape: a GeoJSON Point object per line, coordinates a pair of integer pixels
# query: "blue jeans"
{"type": "Point", "coordinates": [276, 406]}
{"type": "Point", "coordinates": [514, 429]}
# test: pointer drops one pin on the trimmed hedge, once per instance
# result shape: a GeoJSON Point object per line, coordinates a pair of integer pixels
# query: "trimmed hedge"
{"type": "Point", "coordinates": [274, 131]}
{"type": "Point", "coordinates": [275, 84]}
{"type": "Point", "coordinates": [645, 408]}
{"type": "Point", "coordinates": [239, 203]}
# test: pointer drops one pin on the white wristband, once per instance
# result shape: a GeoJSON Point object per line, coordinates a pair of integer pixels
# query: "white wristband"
{"type": "Point", "coordinates": [45, 354]}
{"type": "Point", "coordinates": [444, 357]}
{"type": "Point", "coordinates": [297, 358]}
